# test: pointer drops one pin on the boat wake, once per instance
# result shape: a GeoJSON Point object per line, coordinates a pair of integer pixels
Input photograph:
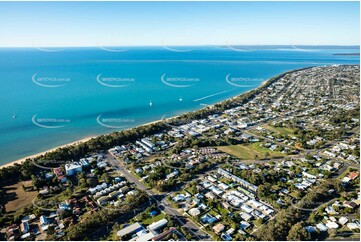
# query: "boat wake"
{"type": "Point", "coordinates": [212, 95]}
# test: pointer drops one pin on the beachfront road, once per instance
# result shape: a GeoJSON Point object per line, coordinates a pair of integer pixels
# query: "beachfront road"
{"type": "Point", "coordinates": [191, 227]}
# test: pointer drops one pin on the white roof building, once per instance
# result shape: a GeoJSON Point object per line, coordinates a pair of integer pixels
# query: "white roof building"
{"type": "Point", "coordinates": [158, 225]}
{"type": "Point", "coordinates": [73, 168]}
{"type": "Point", "coordinates": [331, 225]}
{"type": "Point", "coordinates": [321, 227]}
{"type": "Point", "coordinates": [194, 212]}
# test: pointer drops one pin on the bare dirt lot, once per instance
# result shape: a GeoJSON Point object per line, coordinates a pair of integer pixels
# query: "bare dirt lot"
{"type": "Point", "coordinates": [15, 197]}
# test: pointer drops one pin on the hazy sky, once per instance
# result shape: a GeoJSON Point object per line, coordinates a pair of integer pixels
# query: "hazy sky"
{"type": "Point", "coordinates": [178, 23]}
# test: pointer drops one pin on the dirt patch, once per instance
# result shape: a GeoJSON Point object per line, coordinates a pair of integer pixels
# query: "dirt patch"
{"type": "Point", "coordinates": [16, 198]}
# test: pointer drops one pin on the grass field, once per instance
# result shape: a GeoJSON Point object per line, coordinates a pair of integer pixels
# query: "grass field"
{"type": "Point", "coordinates": [153, 219]}
{"type": "Point", "coordinates": [249, 151]}
{"type": "Point", "coordinates": [280, 130]}
{"type": "Point", "coordinates": [16, 197]}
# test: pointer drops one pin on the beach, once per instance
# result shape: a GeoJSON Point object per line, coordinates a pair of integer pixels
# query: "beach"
{"type": "Point", "coordinates": [19, 161]}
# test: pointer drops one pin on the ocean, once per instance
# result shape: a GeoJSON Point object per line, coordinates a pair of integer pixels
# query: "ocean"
{"type": "Point", "coordinates": [50, 97]}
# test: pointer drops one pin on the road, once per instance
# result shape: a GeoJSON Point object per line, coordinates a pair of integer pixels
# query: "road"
{"type": "Point", "coordinates": [160, 200]}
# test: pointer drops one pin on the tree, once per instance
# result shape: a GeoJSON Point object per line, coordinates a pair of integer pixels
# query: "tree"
{"type": "Point", "coordinates": [263, 190]}
{"type": "Point", "coordinates": [298, 233]}
{"type": "Point", "coordinates": [105, 177]}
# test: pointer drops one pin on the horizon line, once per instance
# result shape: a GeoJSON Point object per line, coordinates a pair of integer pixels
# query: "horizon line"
{"type": "Point", "coordinates": [198, 45]}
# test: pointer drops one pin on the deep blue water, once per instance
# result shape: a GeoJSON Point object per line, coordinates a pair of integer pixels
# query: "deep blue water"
{"type": "Point", "coordinates": [65, 90]}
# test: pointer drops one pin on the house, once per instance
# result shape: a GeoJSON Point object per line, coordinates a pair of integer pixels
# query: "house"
{"type": "Point", "coordinates": [202, 206]}
{"type": "Point", "coordinates": [208, 219]}
{"type": "Point", "coordinates": [329, 154]}
{"type": "Point", "coordinates": [174, 173]}
{"type": "Point", "coordinates": [211, 178]}
{"type": "Point", "coordinates": [342, 220]}
{"type": "Point", "coordinates": [57, 171]}
{"type": "Point", "coordinates": [216, 190]}
{"type": "Point", "coordinates": [308, 175]}
{"type": "Point", "coordinates": [218, 228]}
{"type": "Point", "coordinates": [226, 237]}
{"type": "Point", "coordinates": [178, 198]}
{"type": "Point", "coordinates": [311, 229]}
{"type": "Point", "coordinates": [321, 227]}
{"type": "Point", "coordinates": [246, 216]}
{"type": "Point", "coordinates": [244, 225]}
{"type": "Point", "coordinates": [353, 175]}
{"type": "Point", "coordinates": [24, 227]}
{"type": "Point", "coordinates": [44, 191]}
{"type": "Point", "coordinates": [59, 174]}
{"type": "Point", "coordinates": [48, 175]}
{"type": "Point", "coordinates": [353, 226]}
{"type": "Point", "coordinates": [332, 225]}
{"type": "Point", "coordinates": [43, 220]}
{"type": "Point", "coordinates": [223, 186]}
{"type": "Point", "coordinates": [194, 212]}
{"type": "Point", "coordinates": [138, 170]}
{"type": "Point", "coordinates": [102, 200]}
{"type": "Point", "coordinates": [114, 194]}
{"type": "Point", "coordinates": [124, 189]}
{"type": "Point", "coordinates": [64, 206]}
{"type": "Point", "coordinates": [25, 236]}
{"type": "Point", "coordinates": [210, 195]}
{"type": "Point", "coordinates": [330, 210]}
{"type": "Point", "coordinates": [12, 232]}
{"type": "Point", "coordinates": [346, 179]}
{"type": "Point", "coordinates": [84, 162]}
{"type": "Point", "coordinates": [28, 218]}
{"type": "Point", "coordinates": [246, 208]}
{"type": "Point", "coordinates": [349, 204]}
{"type": "Point", "coordinates": [225, 205]}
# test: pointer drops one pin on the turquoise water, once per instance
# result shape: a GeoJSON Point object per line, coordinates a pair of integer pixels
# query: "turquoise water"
{"type": "Point", "coordinates": [51, 97]}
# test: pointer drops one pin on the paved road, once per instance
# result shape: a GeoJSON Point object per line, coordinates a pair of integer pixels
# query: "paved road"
{"type": "Point", "coordinates": [160, 200]}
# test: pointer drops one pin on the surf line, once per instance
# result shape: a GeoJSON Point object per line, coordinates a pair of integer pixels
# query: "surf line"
{"type": "Point", "coordinates": [212, 95]}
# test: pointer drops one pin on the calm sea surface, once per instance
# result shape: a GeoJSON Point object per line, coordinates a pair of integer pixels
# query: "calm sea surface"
{"type": "Point", "coordinates": [50, 97]}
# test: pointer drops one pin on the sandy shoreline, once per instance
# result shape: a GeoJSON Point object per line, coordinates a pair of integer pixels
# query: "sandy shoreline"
{"type": "Point", "coordinates": [19, 161]}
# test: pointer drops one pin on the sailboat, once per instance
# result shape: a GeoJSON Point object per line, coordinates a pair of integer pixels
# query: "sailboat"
{"type": "Point", "coordinates": [180, 99]}
{"type": "Point", "coordinates": [150, 103]}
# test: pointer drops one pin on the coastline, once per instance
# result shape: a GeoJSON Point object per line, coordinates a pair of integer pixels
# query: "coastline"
{"type": "Point", "coordinates": [21, 160]}
{"type": "Point", "coordinates": [83, 140]}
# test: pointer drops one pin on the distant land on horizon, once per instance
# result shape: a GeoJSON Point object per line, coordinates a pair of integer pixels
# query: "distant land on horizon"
{"type": "Point", "coordinates": [204, 46]}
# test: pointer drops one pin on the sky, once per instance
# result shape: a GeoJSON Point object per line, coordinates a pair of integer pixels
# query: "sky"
{"type": "Point", "coordinates": [28, 24]}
